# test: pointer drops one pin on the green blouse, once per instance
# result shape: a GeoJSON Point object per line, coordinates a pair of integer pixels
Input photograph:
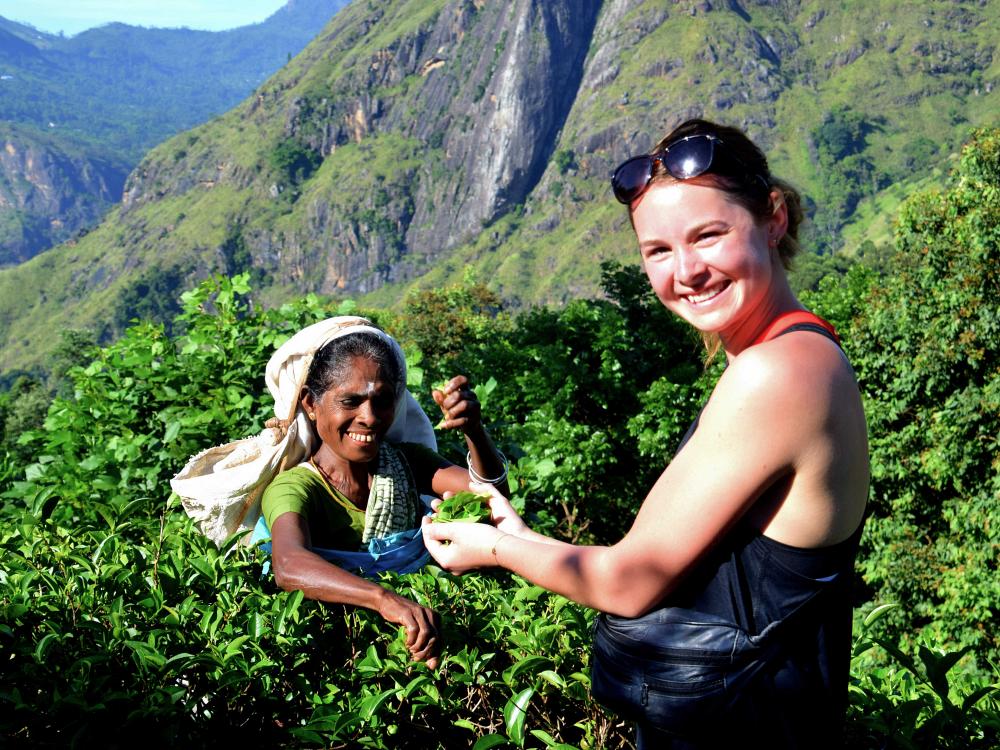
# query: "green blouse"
{"type": "Point", "coordinates": [334, 521]}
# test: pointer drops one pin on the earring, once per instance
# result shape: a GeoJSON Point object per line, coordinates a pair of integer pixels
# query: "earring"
{"type": "Point", "coordinates": [312, 416]}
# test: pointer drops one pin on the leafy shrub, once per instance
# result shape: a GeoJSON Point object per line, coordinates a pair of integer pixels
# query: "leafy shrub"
{"type": "Point", "coordinates": [121, 623]}
{"type": "Point", "coordinates": [129, 626]}
{"type": "Point", "coordinates": [916, 702]}
{"type": "Point", "coordinates": [564, 160]}
{"type": "Point", "coordinates": [926, 345]}
{"type": "Point", "coordinates": [151, 297]}
{"type": "Point", "coordinates": [293, 162]}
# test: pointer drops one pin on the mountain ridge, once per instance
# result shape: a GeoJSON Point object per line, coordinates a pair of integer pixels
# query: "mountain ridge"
{"type": "Point", "coordinates": [109, 94]}
{"type": "Point", "coordinates": [364, 166]}
{"type": "Point", "coordinates": [50, 188]}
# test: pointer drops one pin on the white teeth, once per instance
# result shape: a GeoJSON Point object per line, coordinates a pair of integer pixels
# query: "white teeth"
{"type": "Point", "coordinates": [697, 299]}
{"type": "Point", "coordinates": [361, 438]}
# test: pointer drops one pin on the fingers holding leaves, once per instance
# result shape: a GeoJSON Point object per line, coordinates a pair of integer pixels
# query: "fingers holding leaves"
{"type": "Point", "coordinates": [459, 405]}
{"type": "Point", "coordinates": [421, 624]}
{"type": "Point", "coordinates": [502, 513]}
{"type": "Point", "coordinates": [459, 547]}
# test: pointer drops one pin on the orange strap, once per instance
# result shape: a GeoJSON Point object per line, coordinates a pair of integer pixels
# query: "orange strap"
{"type": "Point", "coordinates": [786, 320]}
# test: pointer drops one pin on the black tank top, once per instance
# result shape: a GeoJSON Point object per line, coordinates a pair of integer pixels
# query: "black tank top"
{"type": "Point", "coordinates": [754, 581]}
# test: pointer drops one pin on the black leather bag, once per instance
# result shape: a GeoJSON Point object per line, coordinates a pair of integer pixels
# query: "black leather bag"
{"type": "Point", "coordinates": [676, 669]}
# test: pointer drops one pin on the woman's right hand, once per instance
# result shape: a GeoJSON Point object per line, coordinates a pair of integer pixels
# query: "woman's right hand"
{"type": "Point", "coordinates": [422, 624]}
{"type": "Point", "coordinates": [502, 513]}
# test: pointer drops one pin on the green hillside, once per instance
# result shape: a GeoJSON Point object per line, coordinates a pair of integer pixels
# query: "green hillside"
{"type": "Point", "coordinates": [413, 141]}
{"type": "Point", "coordinates": [77, 114]}
{"type": "Point", "coordinates": [127, 88]}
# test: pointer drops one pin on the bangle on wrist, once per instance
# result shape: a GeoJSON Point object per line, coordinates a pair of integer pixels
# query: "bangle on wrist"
{"type": "Point", "coordinates": [476, 477]}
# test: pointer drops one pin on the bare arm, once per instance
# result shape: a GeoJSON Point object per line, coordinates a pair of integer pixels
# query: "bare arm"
{"type": "Point", "coordinates": [461, 410]}
{"type": "Point", "coordinates": [297, 568]}
{"type": "Point", "coordinates": [720, 473]}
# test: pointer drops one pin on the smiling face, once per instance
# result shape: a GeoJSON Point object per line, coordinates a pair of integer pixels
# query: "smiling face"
{"type": "Point", "coordinates": [353, 415]}
{"type": "Point", "coordinates": [708, 259]}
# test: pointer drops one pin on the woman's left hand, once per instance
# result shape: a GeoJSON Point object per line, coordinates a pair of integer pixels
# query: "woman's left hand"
{"type": "Point", "coordinates": [459, 405]}
{"type": "Point", "coordinates": [469, 545]}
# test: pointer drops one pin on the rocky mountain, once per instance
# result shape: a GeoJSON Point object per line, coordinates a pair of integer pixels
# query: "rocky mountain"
{"type": "Point", "coordinates": [78, 113]}
{"type": "Point", "coordinates": [50, 189]}
{"type": "Point", "coordinates": [413, 139]}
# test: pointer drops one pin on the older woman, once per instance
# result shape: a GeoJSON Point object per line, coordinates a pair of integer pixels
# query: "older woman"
{"type": "Point", "coordinates": [359, 490]}
{"type": "Point", "coordinates": [727, 608]}
{"type": "Point", "coordinates": [342, 469]}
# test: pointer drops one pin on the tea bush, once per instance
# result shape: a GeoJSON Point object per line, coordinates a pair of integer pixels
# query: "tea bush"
{"type": "Point", "coordinates": [121, 622]}
{"type": "Point", "coordinates": [130, 627]}
{"type": "Point", "coordinates": [924, 337]}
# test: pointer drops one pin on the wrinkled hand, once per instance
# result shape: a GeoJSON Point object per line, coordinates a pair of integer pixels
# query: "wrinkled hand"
{"type": "Point", "coordinates": [459, 405]}
{"type": "Point", "coordinates": [422, 624]}
{"type": "Point", "coordinates": [460, 547]}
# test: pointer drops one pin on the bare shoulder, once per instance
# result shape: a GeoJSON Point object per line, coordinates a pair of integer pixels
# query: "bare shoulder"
{"type": "Point", "coordinates": [800, 367]}
{"type": "Point", "coordinates": [798, 390]}
{"type": "Point", "coordinates": [793, 404]}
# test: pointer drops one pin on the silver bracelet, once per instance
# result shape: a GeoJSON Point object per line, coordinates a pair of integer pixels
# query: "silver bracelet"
{"type": "Point", "coordinates": [475, 477]}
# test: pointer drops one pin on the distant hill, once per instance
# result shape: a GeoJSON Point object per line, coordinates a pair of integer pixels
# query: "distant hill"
{"type": "Point", "coordinates": [50, 188]}
{"type": "Point", "coordinates": [413, 139]}
{"type": "Point", "coordinates": [109, 94]}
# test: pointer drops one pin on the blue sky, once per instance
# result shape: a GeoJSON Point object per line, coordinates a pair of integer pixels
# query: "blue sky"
{"type": "Point", "coordinates": [73, 16]}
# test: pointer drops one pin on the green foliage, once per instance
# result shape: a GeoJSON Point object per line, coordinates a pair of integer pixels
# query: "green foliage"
{"type": "Point", "coordinates": [442, 323]}
{"type": "Point", "coordinates": [463, 506]}
{"type": "Point", "coordinates": [293, 162]}
{"type": "Point", "coordinates": [564, 160]}
{"type": "Point", "coordinates": [153, 296]}
{"type": "Point", "coordinates": [22, 409]}
{"type": "Point", "coordinates": [841, 134]}
{"type": "Point", "coordinates": [916, 702]}
{"type": "Point", "coordinates": [128, 626]}
{"type": "Point", "coordinates": [808, 269]}
{"type": "Point", "coordinates": [926, 344]}
{"type": "Point", "coordinates": [846, 169]}
{"type": "Point", "coordinates": [120, 622]}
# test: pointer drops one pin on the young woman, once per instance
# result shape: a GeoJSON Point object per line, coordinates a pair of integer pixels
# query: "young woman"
{"type": "Point", "coordinates": [726, 607]}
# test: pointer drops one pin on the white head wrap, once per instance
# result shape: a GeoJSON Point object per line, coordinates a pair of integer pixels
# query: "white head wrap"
{"type": "Point", "coordinates": [221, 487]}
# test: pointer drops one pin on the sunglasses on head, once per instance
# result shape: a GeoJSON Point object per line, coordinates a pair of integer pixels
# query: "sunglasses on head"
{"type": "Point", "coordinates": [683, 159]}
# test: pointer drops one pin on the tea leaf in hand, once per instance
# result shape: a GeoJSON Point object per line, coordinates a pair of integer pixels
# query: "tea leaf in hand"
{"type": "Point", "coordinates": [470, 507]}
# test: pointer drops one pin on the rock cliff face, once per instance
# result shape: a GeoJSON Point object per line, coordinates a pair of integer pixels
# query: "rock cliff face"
{"type": "Point", "coordinates": [49, 191]}
{"type": "Point", "coordinates": [414, 138]}
{"type": "Point", "coordinates": [483, 89]}
{"type": "Point", "coordinates": [468, 103]}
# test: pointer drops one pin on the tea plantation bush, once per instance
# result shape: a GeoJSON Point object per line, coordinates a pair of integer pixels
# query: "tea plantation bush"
{"type": "Point", "coordinates": [120, 624]}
